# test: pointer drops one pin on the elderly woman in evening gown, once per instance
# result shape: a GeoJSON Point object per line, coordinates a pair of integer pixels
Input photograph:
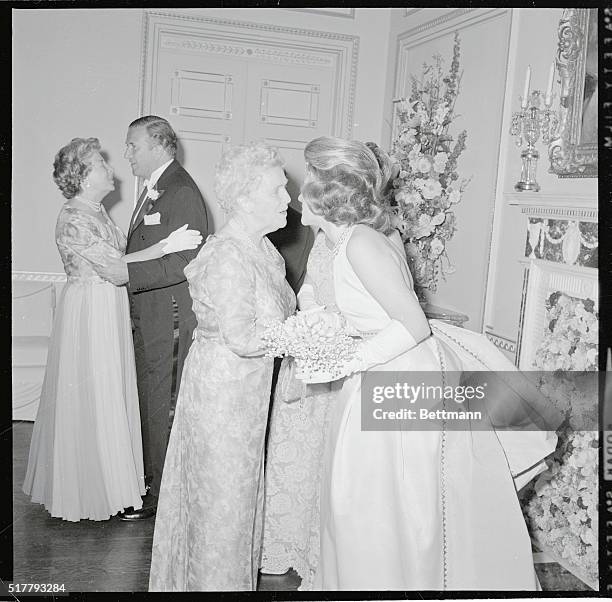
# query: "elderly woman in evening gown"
{"type": "Point", "coordinates": [85, 458]}
{"type": "Point", "coordinates": [209, 518]}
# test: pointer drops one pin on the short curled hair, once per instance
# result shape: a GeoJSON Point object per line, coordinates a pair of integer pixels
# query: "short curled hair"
{"type": "Point", "coordinates": [159, 129]}
{"type": "Point", "coordinates": [72, 164]}
{"type": "Point", "coordinates": [345, 184]}
{"type": "Point", "coordinates": [239, 172]}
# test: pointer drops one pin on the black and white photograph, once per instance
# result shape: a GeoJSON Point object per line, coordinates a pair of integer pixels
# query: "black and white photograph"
{"type": "Point", "coordinates": [305, 300]}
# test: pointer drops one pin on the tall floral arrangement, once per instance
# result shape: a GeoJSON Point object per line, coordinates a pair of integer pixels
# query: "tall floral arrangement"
{"type": "Point", "coordinates": [427, 186]}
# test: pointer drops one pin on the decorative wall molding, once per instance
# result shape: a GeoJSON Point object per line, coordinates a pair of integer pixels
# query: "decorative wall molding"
{"type": "Point", "coordinates": [347, 13]}
{"type": "Point", "coordinates": [434, 23]}
{"type": "Point", "coordinates": [574, 213]}
{"type": "Point", "coordinates": [574, 207]}
{"type": "Point", "coordinates": [20, 276]}
{"type": "Point", "coordinates": [451, 20]}
{"type": "Point", "coordinates": [246, 51]}
{"type": "Point", "coordinates": [501, 342]}
{"type": "Point", "coordinates": [411, 11]}
{"type": "Point", "coordinates": [254, 41]}
{"type": "Point", "coordinates": [433, 29]}
{"type": "Point", "coordinates": [562, 241]}
{"type": "Point", "coordinates": [278, 29]}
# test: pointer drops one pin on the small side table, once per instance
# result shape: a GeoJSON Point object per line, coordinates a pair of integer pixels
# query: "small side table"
{"type": "Point", "coordinates": [435, 312]}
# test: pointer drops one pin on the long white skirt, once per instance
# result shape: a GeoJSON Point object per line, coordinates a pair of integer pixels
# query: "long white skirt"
{"type": "Point", "coordinates": [407, 510]}
{"type": "Point", "coordinates": [85, 458]}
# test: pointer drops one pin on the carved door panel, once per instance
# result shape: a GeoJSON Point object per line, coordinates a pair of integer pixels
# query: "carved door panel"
{"type": "Point", "coordinates": [288, 106]}
{"type": "Point", "coordinates": [203, 97]}
{"type": "Point", "coordinates": [223, 82]}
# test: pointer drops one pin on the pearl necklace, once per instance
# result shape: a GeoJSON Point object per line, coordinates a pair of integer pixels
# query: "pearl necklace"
{"type": "Point", "coordinates": [91, 204]}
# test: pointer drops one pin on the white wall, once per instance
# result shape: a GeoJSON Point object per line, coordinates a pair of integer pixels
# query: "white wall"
{"type": "Point", "coordinates": [76, 73]}
{"type": "Point", "coordinates": [416, 37]}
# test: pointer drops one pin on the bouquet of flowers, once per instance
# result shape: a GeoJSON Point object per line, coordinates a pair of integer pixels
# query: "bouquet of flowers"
{"type": "Point", "coordinates": [320, 344]}
{"type": "Point", "coordinates": [427, 186]}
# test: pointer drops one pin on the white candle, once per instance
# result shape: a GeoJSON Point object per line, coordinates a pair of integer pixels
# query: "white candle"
{"type": "Point", "coordinates": [526, 88]}
{"type": "Point", "coordinates": [551, 77]}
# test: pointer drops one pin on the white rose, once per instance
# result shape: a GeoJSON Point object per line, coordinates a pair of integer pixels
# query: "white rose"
{"type": "Point", "coordinates": [401, 196]}
{"type": "Point", "coordinates": [454, 196]}
{"type": "Point", "coordinates": [408, 137]}
{"type": "Point", "coordinates": [423, 165]}
{"type": "Point", "coordinates": [431, 189]}
{"type": "Point", "coordinates": [415, 198]}
{"type": "Point", "coordinates": [436, 247]}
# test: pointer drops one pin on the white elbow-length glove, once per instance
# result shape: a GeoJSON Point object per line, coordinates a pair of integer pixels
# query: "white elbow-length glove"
{"type": "Point", "coordinates": [181, 240]}
{"type": "Point", "coordinates": [393, 340]}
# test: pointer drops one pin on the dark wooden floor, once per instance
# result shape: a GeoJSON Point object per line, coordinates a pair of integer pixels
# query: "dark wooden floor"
{"type": "Point", "coordinates": [114, 555]}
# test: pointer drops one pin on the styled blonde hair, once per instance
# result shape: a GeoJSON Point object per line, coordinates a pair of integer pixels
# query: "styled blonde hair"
{"type": "Point", "coordinates": [345, 184]}
{"type": "Point", "coordinates": [239, 172]}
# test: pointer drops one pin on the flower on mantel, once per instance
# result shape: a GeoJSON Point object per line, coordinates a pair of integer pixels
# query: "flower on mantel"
{"type": "Point", "coordinates": [428, 185]}
{"type": "Point", "coordinates": [561, 506]}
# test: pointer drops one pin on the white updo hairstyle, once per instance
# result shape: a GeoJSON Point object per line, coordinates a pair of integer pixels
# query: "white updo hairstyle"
{"type": "Point", "coordinates": [239, 172]}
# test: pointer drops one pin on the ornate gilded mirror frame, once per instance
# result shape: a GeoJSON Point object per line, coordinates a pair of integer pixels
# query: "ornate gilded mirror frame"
{"type": "Point", "coordinates": [573, 154]}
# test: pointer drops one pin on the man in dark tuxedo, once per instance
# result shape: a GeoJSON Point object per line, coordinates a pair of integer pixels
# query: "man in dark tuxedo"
{"type": "Point", "coordinates": [160, 303]}
{"type": "Point", "coordinates": [294, 242]}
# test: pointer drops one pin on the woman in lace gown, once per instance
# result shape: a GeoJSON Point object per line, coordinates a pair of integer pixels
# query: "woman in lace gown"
{"type": "Point", "coordinates": [209, 517]}
{"type": "Point", "coordinates": [403, 509]}
{"type": "Point", "coordinates": [85, 458]}
{"type": "Point", "coordinates": [300, 415]}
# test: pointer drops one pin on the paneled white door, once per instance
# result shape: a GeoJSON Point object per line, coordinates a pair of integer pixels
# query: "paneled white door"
{"type": "Point", "coordinates": [204, 98]}
{"type": "Point", "coordinates": [288, 106]}
{"type": "Point", "coordinates": [226, 86]}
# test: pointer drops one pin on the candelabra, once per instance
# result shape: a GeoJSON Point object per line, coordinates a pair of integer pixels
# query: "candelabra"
{"type": "Point", "coordinates": [528, 124]}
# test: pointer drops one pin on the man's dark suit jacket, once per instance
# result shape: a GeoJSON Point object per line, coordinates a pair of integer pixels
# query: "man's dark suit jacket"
{"type": "Point", "coordinates": [161, 309]}
{"type": "Point", "coordinates": [294, 242]}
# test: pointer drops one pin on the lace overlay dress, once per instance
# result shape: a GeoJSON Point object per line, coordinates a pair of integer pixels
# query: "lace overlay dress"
{"type": "Point", "coordinates": [85, 458]}
{"type": "Point", "coordinates": [295, 453]}
{"type": "Point", "coordinates": [209, 516]}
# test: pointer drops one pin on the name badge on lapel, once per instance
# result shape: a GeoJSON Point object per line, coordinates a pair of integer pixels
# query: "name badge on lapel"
{"type": "Point", "coordinates": [153, 219]}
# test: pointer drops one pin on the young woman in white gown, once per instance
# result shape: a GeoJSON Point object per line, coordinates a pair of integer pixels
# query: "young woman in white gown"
{"type": "Point", "coordinates": [429, 510]}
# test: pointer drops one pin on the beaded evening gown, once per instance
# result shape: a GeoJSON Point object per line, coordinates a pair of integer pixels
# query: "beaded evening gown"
{"type": "Point", "coordinates": [85, 457]}
{"type": "Point", "coordinates": [295, 452]}
{"type": "Point", "coordinates": [208, 527]}
{"type": "Point", "coordinates": [420, 510]}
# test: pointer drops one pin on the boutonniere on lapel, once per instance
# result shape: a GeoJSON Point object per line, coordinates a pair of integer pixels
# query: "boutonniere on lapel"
{"type": "Point", "coordinates": [154, 194]}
